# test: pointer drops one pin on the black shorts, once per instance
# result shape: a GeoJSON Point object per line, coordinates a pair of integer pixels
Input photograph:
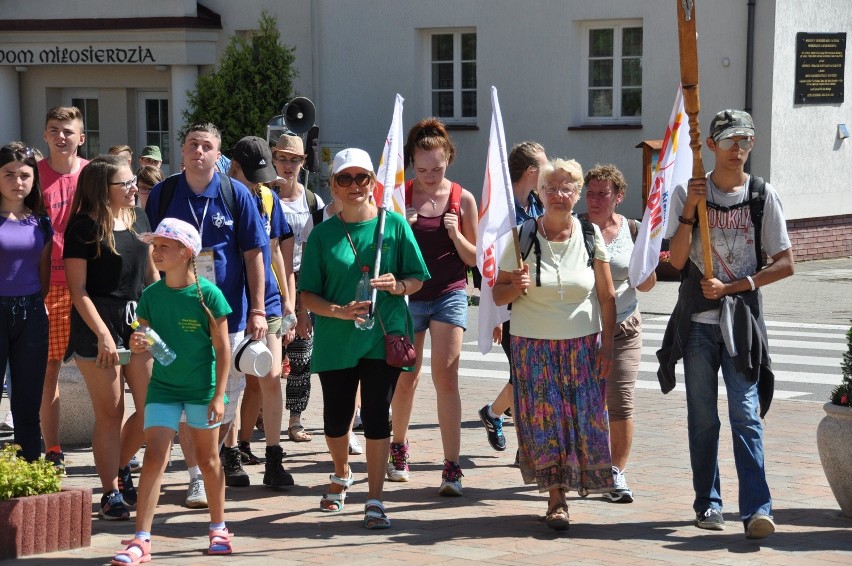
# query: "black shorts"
{"type": "Point", "coordinates": [116, 314]}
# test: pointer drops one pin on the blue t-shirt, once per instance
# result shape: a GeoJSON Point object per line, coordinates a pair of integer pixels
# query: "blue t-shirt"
{"type": "Point", "coordinates": [536, 209]}
{"type": "Point", "coordinates": [209, 213]}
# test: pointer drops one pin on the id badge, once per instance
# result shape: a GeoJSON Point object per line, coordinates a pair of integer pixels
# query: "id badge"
{"type": "Point", "coordinates": [204, 265]}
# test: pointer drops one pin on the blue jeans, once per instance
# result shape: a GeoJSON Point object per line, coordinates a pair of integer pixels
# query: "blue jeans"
{"type": "Point", "coordinates": [23, 343]}
{"type": "Point", "coordinates": [704, 354]}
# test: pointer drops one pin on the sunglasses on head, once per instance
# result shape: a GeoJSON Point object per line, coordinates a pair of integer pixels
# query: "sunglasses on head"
{"type": "Point", "coordinates": [19, 152]}
{"type": "Point", "coordinates": [345, 179]}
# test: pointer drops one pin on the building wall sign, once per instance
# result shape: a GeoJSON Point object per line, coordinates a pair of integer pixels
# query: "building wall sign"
{"type": "Point", "coordinates": [89, 55]}
{"type": "Point", "coordinates": [820, 59]}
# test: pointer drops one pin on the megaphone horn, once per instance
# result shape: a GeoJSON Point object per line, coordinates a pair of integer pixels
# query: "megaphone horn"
{"type": "Point", "coordinates": [299, 114]}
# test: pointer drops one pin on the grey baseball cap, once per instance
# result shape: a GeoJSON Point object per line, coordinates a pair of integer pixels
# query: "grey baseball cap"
{"type": "Point", "coordinates": [730, 123]}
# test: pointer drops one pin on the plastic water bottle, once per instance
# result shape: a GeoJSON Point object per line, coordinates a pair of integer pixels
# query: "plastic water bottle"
{"type": "Point", "coordinates": [288, 322]}
{"type": "Point", "coordinates": [364, 292]}
{"type": "Point", "coordinates": [159, 349]}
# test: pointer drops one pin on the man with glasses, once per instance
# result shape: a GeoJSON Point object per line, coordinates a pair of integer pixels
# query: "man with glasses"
{"type": "Point", "coordinates": [58, 173]}
{"type": "Point", "coordinates": [717, 322]}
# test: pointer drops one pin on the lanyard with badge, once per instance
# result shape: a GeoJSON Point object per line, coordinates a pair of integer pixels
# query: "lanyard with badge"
{"type": "Point", "coordinates": [204, 261]}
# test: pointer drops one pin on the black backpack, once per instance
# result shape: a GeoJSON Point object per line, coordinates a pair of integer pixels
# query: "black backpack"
{"type": "Point", "coordinates": [756, 202]}
{"type": "Point", "coordinates": [528, 242]}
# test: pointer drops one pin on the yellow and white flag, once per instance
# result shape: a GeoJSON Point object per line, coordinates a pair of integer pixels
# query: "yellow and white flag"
{"type": "Point", "coordinates": [674, 167]}
{"type": "Point", "coordinates": [391, 171]}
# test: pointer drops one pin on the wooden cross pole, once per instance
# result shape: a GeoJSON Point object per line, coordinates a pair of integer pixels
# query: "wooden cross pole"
{"type": "Point", "coordinates": [688, 37]}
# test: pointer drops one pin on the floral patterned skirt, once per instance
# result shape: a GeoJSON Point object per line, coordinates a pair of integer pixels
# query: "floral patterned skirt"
{"type": "Point", "coordinates": [560, 414]}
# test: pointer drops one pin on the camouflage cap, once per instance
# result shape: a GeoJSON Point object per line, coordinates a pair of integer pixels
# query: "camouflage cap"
{"type": "Point", "coordinates": [730, 123]}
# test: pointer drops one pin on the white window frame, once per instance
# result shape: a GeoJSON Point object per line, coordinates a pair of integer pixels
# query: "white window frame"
{"type": "Point", "coordinates": [617, 26]}
{"type": "Point", "coordinates": [457, 118]}
{"type": "Point", "coordinates": [86, 94]}
{"type": "Point", "coordinates": [142, 127]}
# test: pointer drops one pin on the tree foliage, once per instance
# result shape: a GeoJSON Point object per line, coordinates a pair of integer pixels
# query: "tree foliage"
{"type": "Point", "coordinates": [251, 84]}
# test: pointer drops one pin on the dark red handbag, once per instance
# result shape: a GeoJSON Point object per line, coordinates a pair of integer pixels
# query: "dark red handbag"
{"type": "Point", "coordinates": [399, 351]}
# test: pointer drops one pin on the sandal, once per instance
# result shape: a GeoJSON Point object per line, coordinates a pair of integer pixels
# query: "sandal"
{"type": "Point", "coordinates": [374, 515]}
{"type": "Point", "coordinates": [142, 546]}
{"type": "Point", "coordinates": [220, 542]}
{"type": "Point", "coordinates": [557, 517]}
{"type": "Point", "coordinates": [333, 502]}
{"type": "Point", "coordinates": [298, 433]}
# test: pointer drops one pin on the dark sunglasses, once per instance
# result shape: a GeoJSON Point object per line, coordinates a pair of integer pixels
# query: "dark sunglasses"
{"type": "Point", "coordinates": [345, 179]}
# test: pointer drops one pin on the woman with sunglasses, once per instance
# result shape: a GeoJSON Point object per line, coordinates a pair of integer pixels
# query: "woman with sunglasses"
{"type": "Point", "coordinates": [345, 356]}
{"type": "Point", "coordinates": [26, 241]}
{"type": "Point", "coordinates": [107, 267]}
{"type": "Point", "coordinates": [562, 334]}
{"type": "Point", "coordinates": [443, 218]}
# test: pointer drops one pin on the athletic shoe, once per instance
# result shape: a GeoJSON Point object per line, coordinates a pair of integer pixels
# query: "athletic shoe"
{"type": "Point", "coordinates": [126, 487]}
{"type": "Point", "coordinates": [57, 459]}
{"type": "Point", "coordinates": [8, 423]}
{"type": "Point", "coordinates": [451, 480]}
{"type": "Point", "coordinates": [711, 520]}
{"type": "Point", "coordinates": [196, 495]}
{"type": "Point", "coordinates": [620, 493]}
{"type": "Point", "coordinates": [235, 476]}
{"type": "Point", "coordinates": [494, 429]}
{"type": "Point", "coordinates": [275, 475]}
{"type": "Point", "coordinates": [357, 423]}
{"type": "Point", "coordinates": [113, 507]}
{"type": "Point", "coordinates": [759, 526]}
{"type": "Point", "coordinates": [354, 446]}
{"type": "Point", "coordinates": [135, 465]}
{"type": "Point", "coordinates": [397, 469]}
{"type": "Point", "coordinates": [246, 457]}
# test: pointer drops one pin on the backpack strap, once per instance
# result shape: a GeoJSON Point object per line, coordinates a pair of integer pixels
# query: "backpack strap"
{"type": "Point", "coordinates": [409, 190]}
{"type": "Point", "coordinates": [455, 199]}
{"type": "Point", "coordinates": [756, 204]}
{"type": "Point", "coordinates": [528, 241]}
{"type": "Point", "coordinates": [316, 216]}
{"type": "Point", "coordinates": [227, 191]}
{"type": "Point", "coordinates": [633, 225]}
{"type": "Point", "coordinates": [167, 193]}
{"type": "Point", "coordinates": [312, 200]}
{"type": "Point", "coordinates": [589, 239]}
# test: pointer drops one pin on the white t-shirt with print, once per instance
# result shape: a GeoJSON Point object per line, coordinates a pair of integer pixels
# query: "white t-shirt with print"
{"type": "Point", "coordinates": [298, 216]}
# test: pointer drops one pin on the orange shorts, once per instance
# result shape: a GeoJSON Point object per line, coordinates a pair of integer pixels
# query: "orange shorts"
{"type": "Point", "coordinates": [58, 303]}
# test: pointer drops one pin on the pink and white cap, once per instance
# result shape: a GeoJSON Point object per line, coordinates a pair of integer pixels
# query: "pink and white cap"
{"type": "Point", "coordinates": [175, 229]}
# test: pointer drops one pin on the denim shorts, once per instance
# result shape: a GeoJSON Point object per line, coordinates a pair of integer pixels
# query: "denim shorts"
{"type": "Point", "coordinates": [450, 308]}
{"type": "Point", "coordinates": [169, 415]}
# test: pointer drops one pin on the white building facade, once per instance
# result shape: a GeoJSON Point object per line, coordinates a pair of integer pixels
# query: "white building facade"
{"type": "Point", "coordinates": [589, 79]}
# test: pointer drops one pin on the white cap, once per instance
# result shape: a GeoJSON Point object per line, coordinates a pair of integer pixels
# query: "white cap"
{"type": "Point", "coordinates": [251, 357]}
{"type": "Point", "coordinates": [351, 157]}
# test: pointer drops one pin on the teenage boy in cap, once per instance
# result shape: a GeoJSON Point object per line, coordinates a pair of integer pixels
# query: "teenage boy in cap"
{"type": "Point", "coordinates": [231, 257]}
{"type": "Point", "coordinates": [707, 326]}
{"type": "Point", "coordinates": [251, 164]}
{"type": "Point", "coordinates": [63, 132]}
{"type": "Point", "coordinates": [151, 156]}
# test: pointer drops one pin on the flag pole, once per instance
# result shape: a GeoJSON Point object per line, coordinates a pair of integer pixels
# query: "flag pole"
{"type": "Point", "coordinates": [688, 38]}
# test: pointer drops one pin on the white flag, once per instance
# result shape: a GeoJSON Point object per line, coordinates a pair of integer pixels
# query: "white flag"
{"type": "Point", "coordinates": [391, 171]}
{"type": "Point", "coordinates": [496, 219]}
{"type": "Point", "coordinates": [674, 167]}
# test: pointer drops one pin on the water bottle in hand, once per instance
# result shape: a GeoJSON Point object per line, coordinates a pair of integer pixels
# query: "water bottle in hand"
{"type": "Point", "coordinates": [159, 349]}
{"type": "Point", "coordinates": [288, 322]}
{"type": "Point", "coordinates": [364, 292]}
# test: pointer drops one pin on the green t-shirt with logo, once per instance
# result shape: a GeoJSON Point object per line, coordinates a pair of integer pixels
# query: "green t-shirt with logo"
{"type": "Point", "coordinates": [329, 269]}
{"type": "Point", "coordinates": [178, 317]}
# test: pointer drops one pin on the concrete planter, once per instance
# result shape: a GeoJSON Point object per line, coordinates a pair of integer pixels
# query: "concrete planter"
{"type": "Point", "coordinates": [834, 437]}
{"type": "Point", "coordinates": [45, 523]}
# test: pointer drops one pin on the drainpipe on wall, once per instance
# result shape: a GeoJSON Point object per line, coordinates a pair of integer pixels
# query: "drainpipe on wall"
{"type": "Point", "coordinates": [749, 78]}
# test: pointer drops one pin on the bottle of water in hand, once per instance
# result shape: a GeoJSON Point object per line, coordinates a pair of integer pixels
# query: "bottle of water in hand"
{"type": "Point", "coordinates": [159, 349]}
{"type": "Point", "coordinates": [364, 292]}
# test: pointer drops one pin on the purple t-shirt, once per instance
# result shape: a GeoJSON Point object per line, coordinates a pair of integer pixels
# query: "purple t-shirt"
{"type": "Point", "coordinates": [21, 244]}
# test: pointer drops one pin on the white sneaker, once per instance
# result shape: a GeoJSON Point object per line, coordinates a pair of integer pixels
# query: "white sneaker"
{"type": "Point", "coordinates": [7, 423]}
{"type": "Point", "coordinates": [196, 495]}
{"type": "Point", "coordinates": [621, 492]}
{"type": "Point", "coordinates": [354, 446]}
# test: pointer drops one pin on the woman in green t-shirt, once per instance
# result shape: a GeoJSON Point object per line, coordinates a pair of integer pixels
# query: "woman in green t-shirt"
{"type": "Point", "coordinates": [345, 356]}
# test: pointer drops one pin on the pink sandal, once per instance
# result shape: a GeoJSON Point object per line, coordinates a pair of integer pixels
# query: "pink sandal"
{"type": "Point", "coordinates": [143, 546]}
{"type": "Point", "coordinates": [220, 538]}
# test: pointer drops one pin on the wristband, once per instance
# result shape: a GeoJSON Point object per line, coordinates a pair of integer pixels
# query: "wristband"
{"type": "Point", "coordinates": [751, 282]}
{"type": "Point", "coordinates": [258, 312]}
{"type": "Point", "coordinates": [404, 288]}
{"type": "Point", "coordinates": [689, 222]}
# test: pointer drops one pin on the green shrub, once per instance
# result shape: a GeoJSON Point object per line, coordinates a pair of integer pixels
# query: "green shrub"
{"type": "Point", "coordinates": [842, 394]}
{"type": "Point", "coordinates": [19, 478]}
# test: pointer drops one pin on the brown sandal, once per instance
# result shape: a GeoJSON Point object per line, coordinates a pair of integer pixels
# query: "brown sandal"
{"type": "Point", "coordinates": [298, 433]}
{"type": "Point", "coordinates": [557, 517]}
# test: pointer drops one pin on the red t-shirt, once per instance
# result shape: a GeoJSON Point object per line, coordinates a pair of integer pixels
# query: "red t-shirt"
{"type": "Point", "coordinates": [58, 193]}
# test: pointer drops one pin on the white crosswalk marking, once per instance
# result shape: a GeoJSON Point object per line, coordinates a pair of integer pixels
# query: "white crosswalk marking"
{"type": "Point", "coordinates": [806, 359]}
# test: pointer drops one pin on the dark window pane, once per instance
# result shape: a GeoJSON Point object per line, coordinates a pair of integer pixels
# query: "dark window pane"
{"type": "Point", "coordinates": [92, 119]}
{"type": "Point", "coordinates": [442, 47]}
{"type": "Point", "coordinates": [164, 115]}
{"type": "Point", "coordinates": [442, 75]}
{"type": "Point", "coordinates": [468, 75]}
{"type": "Point", "coordinates": [469, 104]}
{"type": "Point", "coordinates": [468, 46]}
{"type": "Point", "coordinates": [631, 72]}
{"type": "Point", "coordinates": [600, 73]}
{"type": "Point", "coordinates": [152, 115]}
{"type": "Point", "coordinates": [631, 102]}
{"type": "Point", "coordinates": [631, 44]}
{"type": "Point", "coordinates": [600, 103]}
{"type": "Point", "coordinates": [442, 104]}
{"type": "Point", "coordinates": [600, 42]}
